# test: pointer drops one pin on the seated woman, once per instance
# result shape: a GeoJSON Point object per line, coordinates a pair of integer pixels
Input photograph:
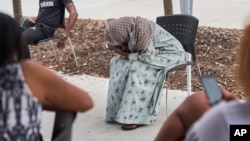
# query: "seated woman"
{"type": "Point", "coordinates": [137, 74]}
{"type": "Point", "coordinates": [196, 120]}
{"type": "Point", "coordinates": [26, 87]}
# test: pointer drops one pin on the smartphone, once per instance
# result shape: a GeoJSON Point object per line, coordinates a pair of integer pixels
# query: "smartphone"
{"type": "Point", "coordinates": [212, 89]}
{"type": "Point", "coordinates": [114, 46]}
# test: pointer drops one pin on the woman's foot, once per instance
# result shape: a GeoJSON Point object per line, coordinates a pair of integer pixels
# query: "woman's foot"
{"type": "Point", "coordinates": [131, 126]}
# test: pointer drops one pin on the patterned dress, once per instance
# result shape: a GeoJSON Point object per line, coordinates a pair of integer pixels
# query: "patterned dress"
{"type": "Point", "coordinates": [135, 86]}
{"type": "Point", "coordinates": [20, 111]}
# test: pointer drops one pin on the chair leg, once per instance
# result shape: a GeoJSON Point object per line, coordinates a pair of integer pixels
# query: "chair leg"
{"type": "Point", "coordinates": [199, 69]}
{"type": "Point", "coordinates": [188, 68]}
{"type": "Point", "coordinates": [53, 47]}
{"type": "Point", "coordinates": [167, 101]}
{"type": "Point", "coordinates": [39, 52]}
{"type": "Point", "coordinates": [73, 51]}
{"type": "Point", "coordinates": [167, 96]}
{"type": "Point", "coordinates": [189, 87]}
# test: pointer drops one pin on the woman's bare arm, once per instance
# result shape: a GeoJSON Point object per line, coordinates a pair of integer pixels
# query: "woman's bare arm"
{"type": "Point", "coordinates": [53, 92]}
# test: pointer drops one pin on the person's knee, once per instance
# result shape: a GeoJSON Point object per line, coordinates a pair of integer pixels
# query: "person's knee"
{"type": "Point", "coordinates": [26, 53]}
{"type": "Point", "coordinates": [26, 50]}
{"type": "Point", "coordinates": [25, 36]}
{"type": "Point", "coordinates": [197, 102]}
{"type": "Point", "coordinates": [193, 108]}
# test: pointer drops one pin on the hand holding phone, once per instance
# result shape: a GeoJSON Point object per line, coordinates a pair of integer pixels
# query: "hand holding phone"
{"type": "Point", "coordinates": [114, 46]}
{"type": "Point", "coordinates": [212, 89]}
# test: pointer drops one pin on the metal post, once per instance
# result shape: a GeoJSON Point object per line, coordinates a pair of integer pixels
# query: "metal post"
{"type": "Point", "coordinates": [186, 7]}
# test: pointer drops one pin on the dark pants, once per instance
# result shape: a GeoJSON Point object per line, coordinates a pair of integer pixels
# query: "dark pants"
{"type": "Point", "coordinates": [31, 36]}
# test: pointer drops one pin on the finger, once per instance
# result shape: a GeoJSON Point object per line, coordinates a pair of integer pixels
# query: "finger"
{"type": "Point", "coordinates": [59, 45]}
{"type": "Point", "coordinates": [230, 97]}
{"type": "Point", "coordinates": [62, 45]}
{"type": "Point", "coordinates": [226, 95]}
{"type": "Point", "coordinates": [224, 91]}
{"type": "Point", "coordinates": [116, 50]}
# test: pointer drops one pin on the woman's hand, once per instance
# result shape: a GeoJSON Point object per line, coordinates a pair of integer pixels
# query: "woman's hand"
{"type": "Point", "coordinates": [121, 52]}
{"type": "Point", "coordinates": [192, 108]}
{"type": "Point", "coordinates": [198, 104]}
{"type": "Point", "coordinates": [227, 96]}
{"type": "Point", "coordinates": [125, 45]}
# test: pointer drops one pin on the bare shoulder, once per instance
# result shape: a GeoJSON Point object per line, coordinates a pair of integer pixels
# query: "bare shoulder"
{"type": "Point", "coordinates": [36, 75]}
{"type": "Point", "coordinates": [43, 77]}
{"type": "Point", "coordinates": [35, 70]}
{"type": "Point", "coordinates": [39, 78]}
{"type": "Point", "coordinates": [31, 64]}
{"type": "Point", "coordinates": [52, 90]}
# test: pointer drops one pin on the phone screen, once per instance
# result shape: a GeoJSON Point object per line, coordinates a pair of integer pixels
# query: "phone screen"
{"type": "Point", "coordinates": [211, 88]}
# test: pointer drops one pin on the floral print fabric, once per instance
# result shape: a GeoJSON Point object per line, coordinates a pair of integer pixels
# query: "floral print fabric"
{"type": "Point", "coordinates": [135, 86]}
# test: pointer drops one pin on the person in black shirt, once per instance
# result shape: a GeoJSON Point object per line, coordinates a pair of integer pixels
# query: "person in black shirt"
{"type": "Point", "coordinates": [50, 17]}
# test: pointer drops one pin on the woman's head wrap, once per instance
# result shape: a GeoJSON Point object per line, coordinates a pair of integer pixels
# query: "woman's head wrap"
{"type": "Point", "coordinates": [136, 31]}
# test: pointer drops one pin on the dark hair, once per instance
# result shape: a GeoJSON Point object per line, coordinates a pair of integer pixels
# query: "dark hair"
{"type": "Point", "coordinates": [10, 40]}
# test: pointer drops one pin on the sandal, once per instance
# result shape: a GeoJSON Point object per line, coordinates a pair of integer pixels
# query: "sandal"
{"type": "Point", "coordinates": [130, 126]}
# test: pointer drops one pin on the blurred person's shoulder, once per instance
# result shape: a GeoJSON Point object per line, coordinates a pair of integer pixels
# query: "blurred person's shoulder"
{"type": "Point", "coordinates": [215, 123]}
{"type": "Point", "coordinates": [231, 110]}
{"type": "Point", "coordinates": [236, 112]}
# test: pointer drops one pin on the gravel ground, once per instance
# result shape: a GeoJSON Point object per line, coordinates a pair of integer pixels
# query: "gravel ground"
{"type": "Point", "coordinates": [215, 51]}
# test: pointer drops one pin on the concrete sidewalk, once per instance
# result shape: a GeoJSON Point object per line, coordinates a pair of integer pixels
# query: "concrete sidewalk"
{"type": "Point", "coordinates": [91, 126]}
